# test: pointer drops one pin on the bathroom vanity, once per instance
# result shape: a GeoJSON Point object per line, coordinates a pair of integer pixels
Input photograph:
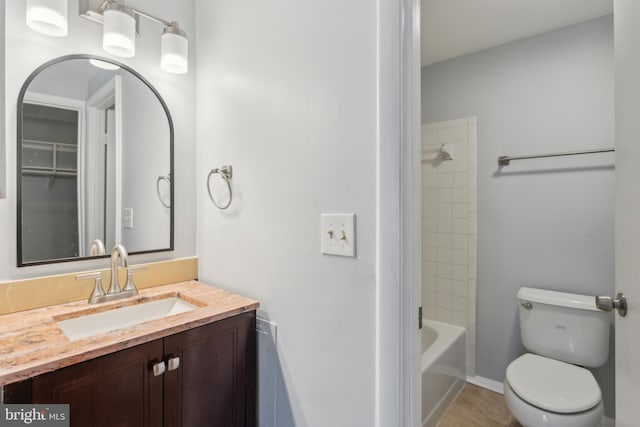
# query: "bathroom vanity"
{"type": "Point", "coordinates": [189, 369]}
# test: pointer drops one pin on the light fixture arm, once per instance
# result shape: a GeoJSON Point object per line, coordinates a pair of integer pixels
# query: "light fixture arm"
{"type": "Point", "coordinates": [169, 24]}
{"type": "Point", "coordinates": [151, 17]}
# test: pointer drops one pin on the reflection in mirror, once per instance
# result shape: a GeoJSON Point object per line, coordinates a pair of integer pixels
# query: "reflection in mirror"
{"type": "Point", "coordinates": [95, 162]}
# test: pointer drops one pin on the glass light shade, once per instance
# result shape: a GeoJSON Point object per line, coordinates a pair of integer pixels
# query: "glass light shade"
{"type": "Point", "coordinates": [119, 33]}
{"type": "Point", "coordinates": [103, 64]}
{"type": "Point", "coordinates": [48, 16]}
{"type": "Point", "coordinates": [174, 51]}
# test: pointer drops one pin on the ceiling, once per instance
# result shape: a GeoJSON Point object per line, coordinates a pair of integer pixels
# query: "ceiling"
{"type": "Point", "coordinates": [452, 28]}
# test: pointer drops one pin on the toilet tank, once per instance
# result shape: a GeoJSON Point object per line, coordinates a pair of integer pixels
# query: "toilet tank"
{"type": "Point", "coordinates": [564, 326]}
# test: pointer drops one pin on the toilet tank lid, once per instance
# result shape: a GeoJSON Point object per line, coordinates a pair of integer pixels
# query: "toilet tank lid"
{"type": "Point", "coordinates": [562, 299]}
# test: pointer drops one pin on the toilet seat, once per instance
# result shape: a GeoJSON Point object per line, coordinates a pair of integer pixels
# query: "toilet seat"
{"type": "Point", "coordinates": [553, 385]}
{"type": "Point", "coordinates": [531, 416]}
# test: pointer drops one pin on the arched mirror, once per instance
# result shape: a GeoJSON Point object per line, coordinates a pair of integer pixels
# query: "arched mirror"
{"type": "Point", "coordinates": [95, 162]}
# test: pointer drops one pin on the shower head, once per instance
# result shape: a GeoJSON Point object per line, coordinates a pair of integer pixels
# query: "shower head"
{"type": "Point", "coordinates": [445, 152]}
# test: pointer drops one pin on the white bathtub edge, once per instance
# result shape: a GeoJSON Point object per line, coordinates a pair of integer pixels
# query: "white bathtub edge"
{"type": "Point", "coordinates": [487, 383]}
{"type": "Point", "coordinates": [450, 396]}
{"type": "Point", "coordinates": [444, 369]}
{"type": "Point", "coordinates": [442, 343]}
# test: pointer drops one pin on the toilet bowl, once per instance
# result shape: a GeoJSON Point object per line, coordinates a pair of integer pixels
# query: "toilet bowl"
{"type": "Point", "coordinates": [550, 386]}
{"type": "Point", "coordinates": [540, 391]}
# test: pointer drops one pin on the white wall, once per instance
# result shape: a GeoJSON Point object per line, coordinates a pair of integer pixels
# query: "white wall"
{"type": "Point", "coordinates": [27, 49]}
{"type": "Point", "coordinates": [627, 36]}
{"type": "Point", "coordinates": [286, 93]}
{"type": "Point", "coordinates": [546, 222]}
{"type": "Point", "coordinates": [145, 155]}
{"type": "Point", "coordinates": [3, 156]}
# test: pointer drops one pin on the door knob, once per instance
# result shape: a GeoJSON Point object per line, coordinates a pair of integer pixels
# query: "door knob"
{"type": "Point", "coordinates": [608, 304]}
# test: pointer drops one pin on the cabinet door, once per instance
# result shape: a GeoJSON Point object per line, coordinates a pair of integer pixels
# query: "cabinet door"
{"type": "Point", "coordinates": [215, 383]}
{"type": "Point", "coordinates": [114, 390]}
{"type": "Point", "coordinates": [17, 393]}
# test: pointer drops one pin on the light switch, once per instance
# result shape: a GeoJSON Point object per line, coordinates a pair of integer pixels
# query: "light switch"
{"type": "Point", "coordinates": [337, 234]}
{"type": "Point", "coordinates": [127, 218]}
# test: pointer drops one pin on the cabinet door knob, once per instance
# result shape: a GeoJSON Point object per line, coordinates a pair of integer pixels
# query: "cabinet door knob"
{"type": "Point", "coordinates": [173, 363]}
{"type": "Point", "coordinates": [158, 369]}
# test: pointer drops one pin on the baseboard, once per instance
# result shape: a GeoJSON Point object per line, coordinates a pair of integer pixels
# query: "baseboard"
{"type": "Point", "coordinates": [487, 383]}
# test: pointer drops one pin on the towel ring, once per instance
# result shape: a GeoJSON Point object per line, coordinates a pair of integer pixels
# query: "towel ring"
{"type": "Point", "coordinates": [226, 172]}
{"type": "Point", "coordinates": [168, 180]}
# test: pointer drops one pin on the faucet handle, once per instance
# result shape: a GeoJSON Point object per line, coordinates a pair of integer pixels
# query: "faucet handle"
{"type": "Point", "coordinates": [98, 292]}
{"type": "Point", "coordinates": [130, 285]}
{"type": "Point", "coordinates": [89, 275]}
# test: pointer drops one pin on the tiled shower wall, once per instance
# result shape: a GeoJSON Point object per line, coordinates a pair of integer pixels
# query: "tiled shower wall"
{"type": "Point", "coordinates": [449, 227]}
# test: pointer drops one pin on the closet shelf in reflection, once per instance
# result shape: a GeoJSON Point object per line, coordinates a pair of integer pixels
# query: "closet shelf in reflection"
{"type": "Point", "coordinates": [48, 158]}
{"type": "Point", "coordinates": [52, 174]}
{"type": "Point", "coordinates": [35, 170]}
{"type": "Point", "coordinates": [34, 143]}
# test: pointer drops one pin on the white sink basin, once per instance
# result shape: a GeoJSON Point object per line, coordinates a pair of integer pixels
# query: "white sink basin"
{"type": "Point", "coordinates": [106, 321]}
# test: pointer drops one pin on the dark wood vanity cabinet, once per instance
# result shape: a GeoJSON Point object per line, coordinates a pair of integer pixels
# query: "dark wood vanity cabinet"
{"type": "Point", "coordinates": [213, 384]}
{"type": "Point", "coordinates": [114, 390]}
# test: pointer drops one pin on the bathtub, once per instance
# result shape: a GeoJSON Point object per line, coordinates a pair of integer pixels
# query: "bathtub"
{"type": "Point", "coordinates": [444, 368]}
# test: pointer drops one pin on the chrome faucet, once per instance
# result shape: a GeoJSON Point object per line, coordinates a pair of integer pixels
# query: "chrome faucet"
{"type": "Point", "coordinates": [115, 291]}
{"type": "Point", "coordinates": [118, 251]}
{"type": "Point", "coordinates": [97, 248]}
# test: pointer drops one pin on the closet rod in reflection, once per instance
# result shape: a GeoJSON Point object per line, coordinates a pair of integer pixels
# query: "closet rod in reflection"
{"type": "Point", "coordinates": [505, 160]}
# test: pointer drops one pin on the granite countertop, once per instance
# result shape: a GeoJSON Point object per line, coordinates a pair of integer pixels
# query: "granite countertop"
{"type": "Point", "coordinates": [31, 344]}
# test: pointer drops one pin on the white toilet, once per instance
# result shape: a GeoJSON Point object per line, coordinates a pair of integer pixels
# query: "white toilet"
{"type": "Point", "coordinates": [550, 386]}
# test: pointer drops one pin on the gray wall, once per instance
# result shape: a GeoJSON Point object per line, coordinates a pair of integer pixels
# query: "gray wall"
{"type": "Point", "coordinates": [545, 223]}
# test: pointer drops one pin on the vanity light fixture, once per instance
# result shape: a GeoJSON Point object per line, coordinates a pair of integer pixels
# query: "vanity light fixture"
{"type": "Point", "coordinates": [119, 32]}
{"type": "Point", "coordinates": [119, 36]}
{"type": "Point", "coordinates": [174, 48]}
{"type": "Point", "coordinates": [48, 16]}
{"type": "Point", "coordinates": [103, 64]}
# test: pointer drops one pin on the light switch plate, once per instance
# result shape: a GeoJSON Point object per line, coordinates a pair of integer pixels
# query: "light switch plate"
{"type": "Point", "coordinates": [127, 218]}
{"type": "Point", "coordinates": [338, 234]}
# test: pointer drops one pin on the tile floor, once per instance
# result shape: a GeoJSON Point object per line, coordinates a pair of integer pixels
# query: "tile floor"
{"type": "Point", "coordinates": [478, 407]}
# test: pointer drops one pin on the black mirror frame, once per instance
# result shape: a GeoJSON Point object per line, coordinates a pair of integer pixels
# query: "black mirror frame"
{"type": "Point", "coordinates": [23, 90]}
